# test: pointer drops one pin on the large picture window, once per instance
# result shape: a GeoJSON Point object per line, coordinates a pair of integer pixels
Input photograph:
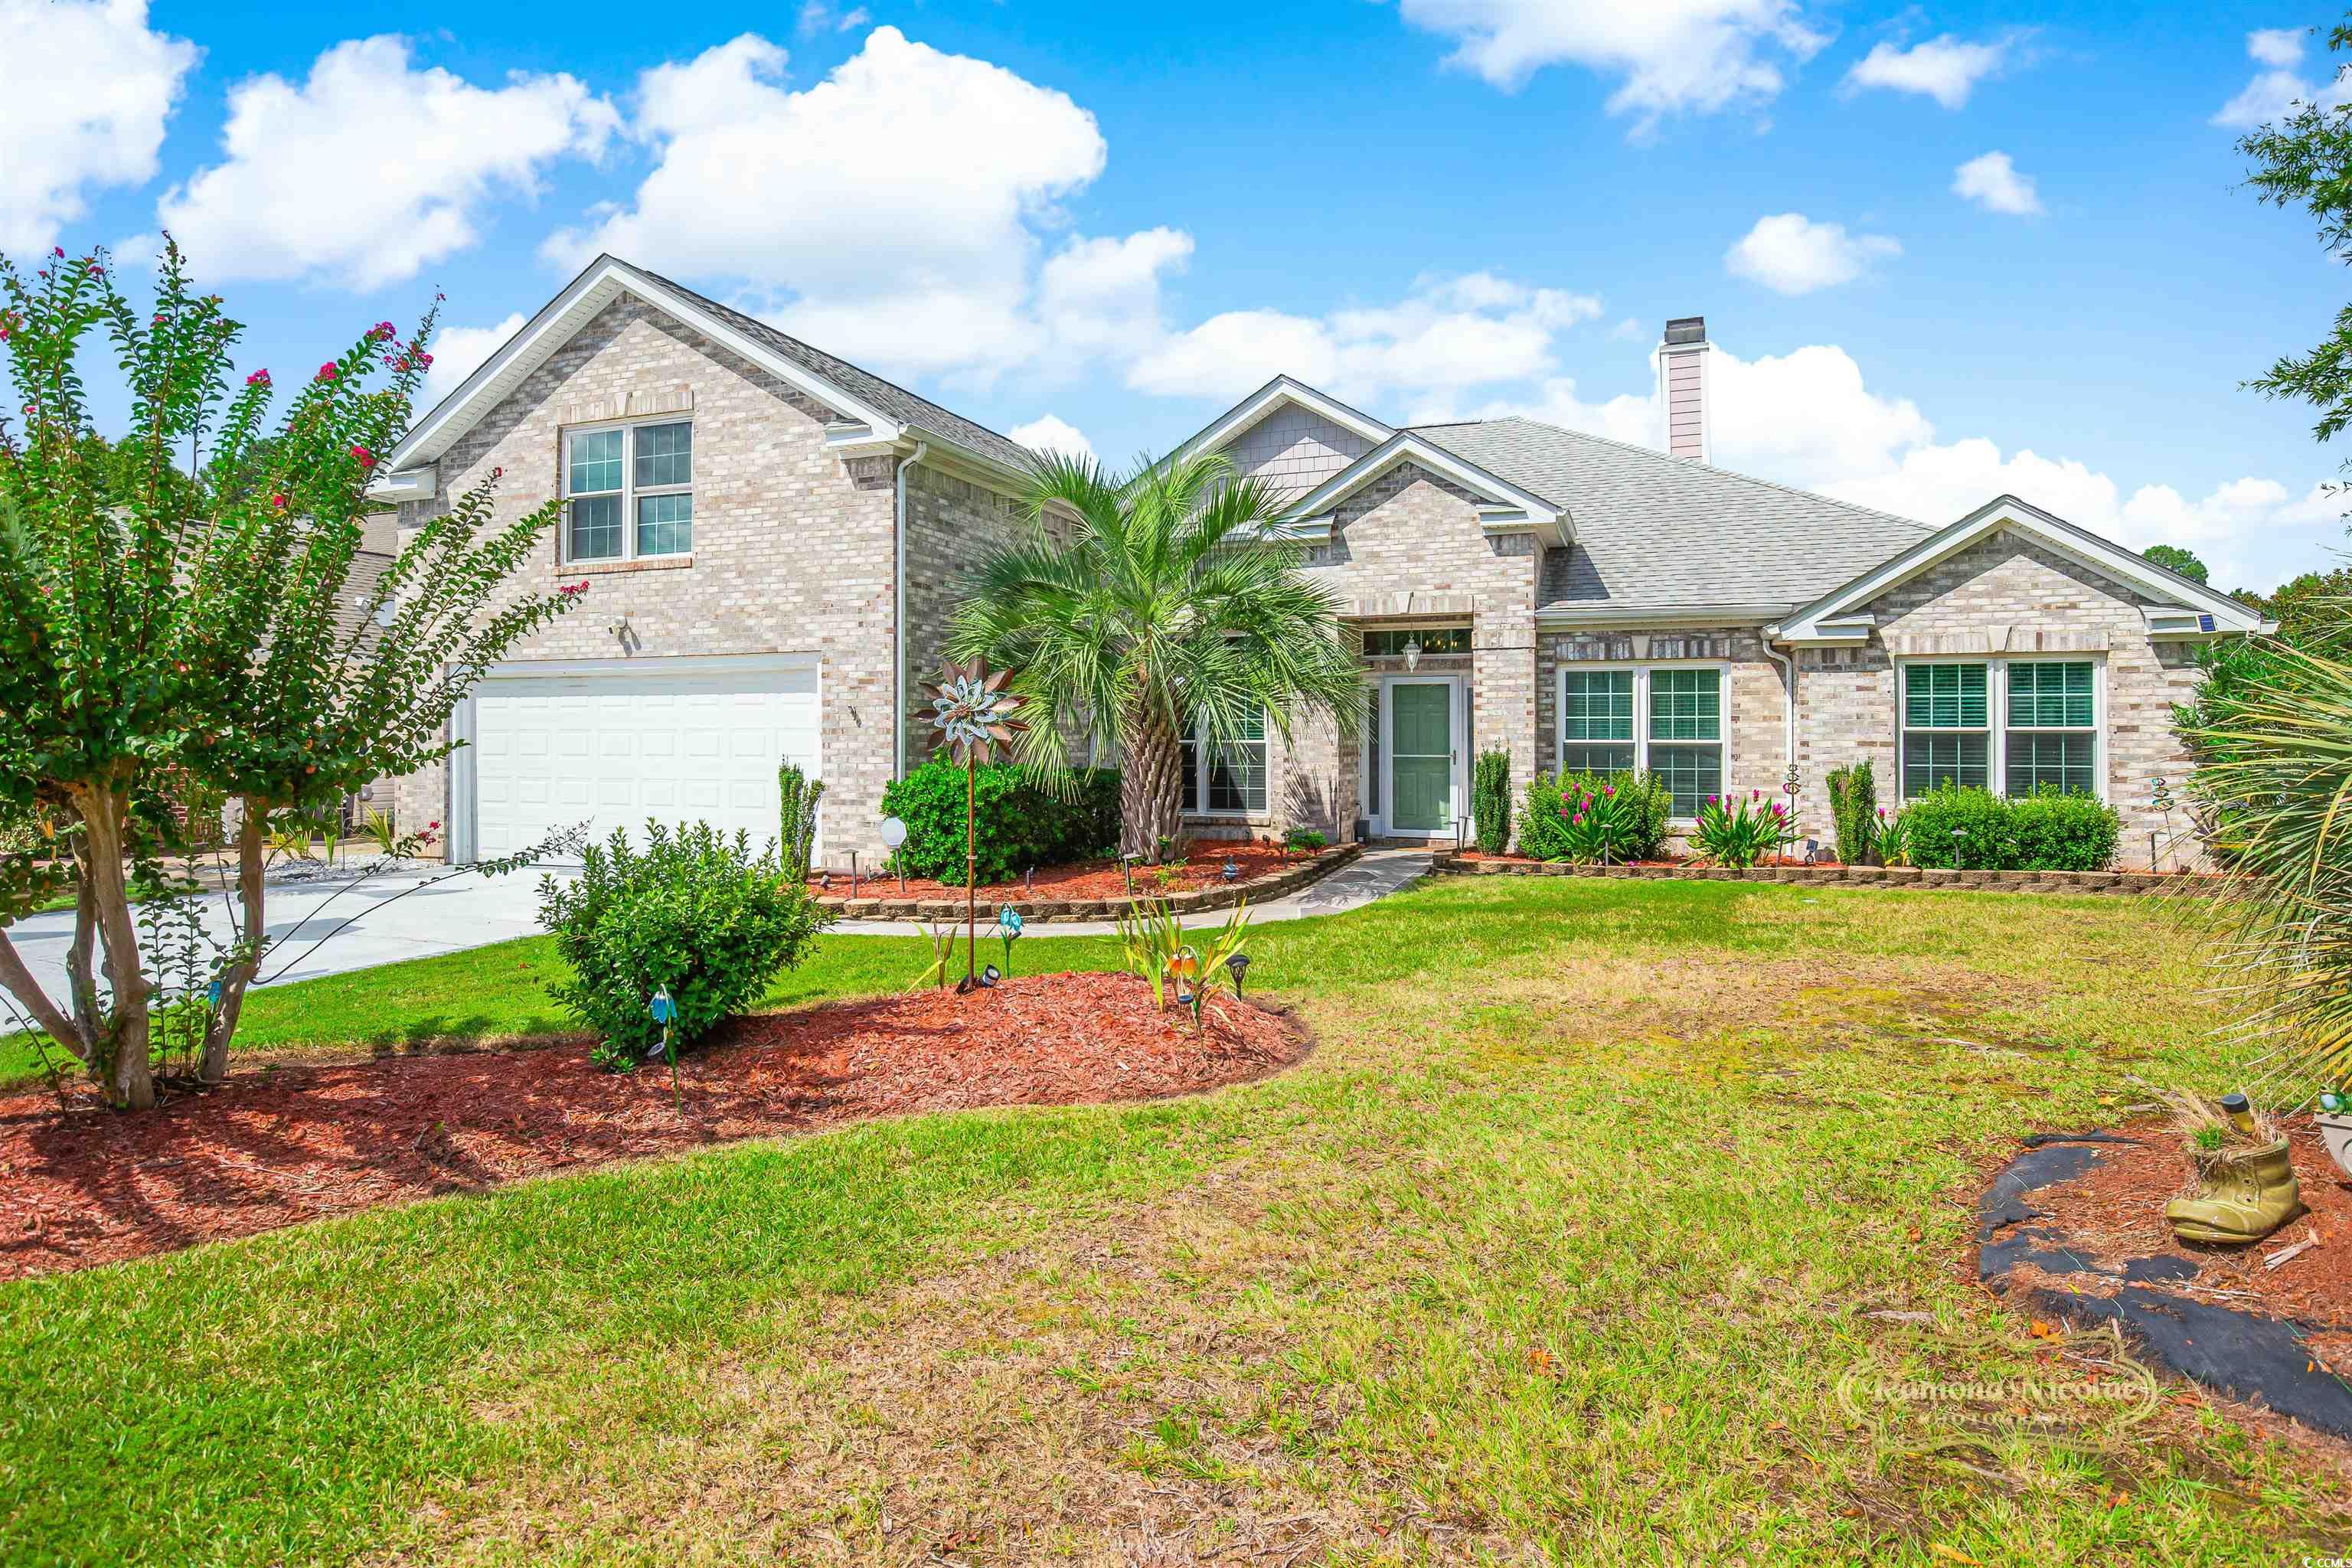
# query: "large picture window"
{"type": "Point", "coordinates": [1665, 719]}
{"type": "Point", "coordinates": [1228, 776]}
{"type": "Point", "coordinates": [629, 491]}
{"type": "Point", "coordinates": [2017, 725]}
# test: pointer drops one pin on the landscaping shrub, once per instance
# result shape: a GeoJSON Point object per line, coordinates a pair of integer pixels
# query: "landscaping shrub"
{"type": "Point", "coordinates": [1020, 825]}
{"type": "Point", "coordinates": [1741, 832]}
{"type": "Point", "coordinates": [691, 910]}
{"type": "Point", "coordinates": [1854, 809]}
{"type": "Point", "coordinates": [1623, 816]}
{"type": "Point", "coordinates": [2043, 832]}
{"type": "Point", "coordinates": [1490, 800]}
{"type": "Point", "coordinates": [1306, 841]}
{"type": "Point", "coordinates": [798, 795]}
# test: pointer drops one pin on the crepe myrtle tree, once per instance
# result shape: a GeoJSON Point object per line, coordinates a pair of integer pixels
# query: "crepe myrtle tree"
{"type": "Point", "coordinates": [173, 614]}
{"type": "Point", "coordinates": [1143, 604]}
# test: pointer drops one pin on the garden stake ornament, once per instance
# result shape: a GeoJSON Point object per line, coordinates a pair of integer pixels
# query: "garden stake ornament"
{"type": "Point", "coordinates": [973, 712]}
{"type": "Point", "coordinates": [664, 1011]}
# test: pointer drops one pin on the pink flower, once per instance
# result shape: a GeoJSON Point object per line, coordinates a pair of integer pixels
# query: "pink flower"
{"type": "Point", "coordinates": [1579, 819]}
{"type": "Point", "coordinates": [57, 251]}
{"type": "Point", "coordinates": [1609, 790]}
{"type": "Point", "coordinates": [260, 377]}
{"type": "Point", "coordinates": [380, 331]}
{"type": "Point", "coordinates": [326, 372]}
{"type": "Point", "coordinates": [278, 500]}
{"type": "Point", "coordinates": [366, 458]}
{"type": "Point", "coordinates": [401, 363]}
{"type": "Point", "coordinates": [424, 360]}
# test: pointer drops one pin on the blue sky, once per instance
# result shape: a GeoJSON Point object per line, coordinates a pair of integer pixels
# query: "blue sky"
{"type": "Point", "coordinates": [1945, 251]}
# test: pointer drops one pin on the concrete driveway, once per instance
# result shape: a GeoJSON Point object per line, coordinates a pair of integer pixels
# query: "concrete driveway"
{"type": "Point", "coordinates": [408, 914]}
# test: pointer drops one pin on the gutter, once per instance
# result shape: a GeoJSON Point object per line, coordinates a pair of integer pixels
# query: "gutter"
{"type": "Point", "coordinates": [899, 619]}
{"type": "Point", "coordinates": [1788, 663]}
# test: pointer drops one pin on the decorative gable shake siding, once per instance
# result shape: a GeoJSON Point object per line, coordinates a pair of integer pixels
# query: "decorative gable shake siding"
{"type": "Point", "coordinates": [1405, 549]}
{"type": "Point", "coordinates": [1294, 450]}
{"type": "Point", "coordinates": [2005, 595]}
{"type": "Point", "coordinates": [793, 548]}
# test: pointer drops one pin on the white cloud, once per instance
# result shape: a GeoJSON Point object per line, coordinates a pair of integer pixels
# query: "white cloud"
{"type": "Point", "coordinates": [372, 170]}
{"type": "Point", "coordinates": [2272, 94]}
{"type": "Point", "coordinates": [85, 89]}
{"type": "Point", "coordinates": [1792, 253]}
{"type": "Point", "coordinates": [1050, 434]}
{"type": "Point", "coordinates": [457, 351]}
{"type": "Point", "coordinates": [1102, 295]}
{"type": "Point", "coordinates": [895, 210]}
{"type": "Point", "coordinates": [1671, 54]}
{"type": "Point", "coordinates": [2280, 46]}
{"type": "Point", "coordinates": [1992, 181]}
{"type": "Point", "coordinates": [816, 18]}
{"type": "Point", "coordinates": [1447, 335]}
{"type": "Point", "coordinates": [1946, 70]}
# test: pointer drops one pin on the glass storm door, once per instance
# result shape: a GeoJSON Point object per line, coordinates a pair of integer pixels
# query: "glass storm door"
{"type": "Point", "coordinates": [1420, 756]}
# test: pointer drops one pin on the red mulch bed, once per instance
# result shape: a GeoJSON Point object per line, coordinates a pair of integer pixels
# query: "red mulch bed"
{"type": "Point", "coordinates": [86, 1185]}
{"type": "Point", "coordinates": [1822, 862]}
{"type": "Point", "coordinates": [1204, 867]}
{"type": "Point", "coordinates": [2116, 1211]}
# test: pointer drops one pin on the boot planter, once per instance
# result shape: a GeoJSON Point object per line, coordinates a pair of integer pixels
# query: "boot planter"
{"type": "Point", "coordinates": [2242, 1195]}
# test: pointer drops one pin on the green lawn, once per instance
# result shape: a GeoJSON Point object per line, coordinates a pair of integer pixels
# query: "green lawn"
{"type": "Point", "coordinates": [1559, 1248]}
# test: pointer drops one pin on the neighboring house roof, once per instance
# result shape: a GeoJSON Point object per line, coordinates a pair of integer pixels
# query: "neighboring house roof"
{"type": "Point", "coordinates": [1841, 615]}
{"type": "Point", "coordinates": [886, 411]}
{"type": "Point", "coordinates": [1657, 533]}
{"type": "Point", "coordinates": [368, 567]}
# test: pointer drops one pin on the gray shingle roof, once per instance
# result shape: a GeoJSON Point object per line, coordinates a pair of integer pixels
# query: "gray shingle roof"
{"type": "Point", "coordinates": [893, 400]}
{"type": "Point", "coordinates": [1656, 532]}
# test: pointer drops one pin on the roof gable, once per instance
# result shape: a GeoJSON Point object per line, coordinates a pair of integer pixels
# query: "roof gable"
{"type": "Point", "coordinates": [1510, 508]}
{"type": "Point", "coordinates": [886, 410]}
{"type": "Point", "coordinates": [1274, 394]}
{"type": "Point", "coordinates": [2182, 609]}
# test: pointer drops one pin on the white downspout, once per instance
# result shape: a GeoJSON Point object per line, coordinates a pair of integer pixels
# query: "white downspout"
{"type": "Point", "coordinates": [1788, 664]}
{"type": "Point", "coordinates": [898, 620]}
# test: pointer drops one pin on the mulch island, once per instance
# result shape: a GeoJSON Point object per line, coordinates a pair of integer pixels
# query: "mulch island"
{"type": "Point", "coordinates": [273, 1147]}
{"type": "Point", "coordinates": [1472, 862]}
{"type": "Point", "coordinates": [2076, 1224]}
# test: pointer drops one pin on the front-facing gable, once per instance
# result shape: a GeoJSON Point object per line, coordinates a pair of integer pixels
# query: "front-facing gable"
{"type": "Point", "coordinates": [2170, 607]}
{"type": "Point", "coordinates": [871, 415]}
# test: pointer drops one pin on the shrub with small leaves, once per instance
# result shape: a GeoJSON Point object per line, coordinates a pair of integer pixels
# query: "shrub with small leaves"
{"type": "Point", "coordinates": [693, 911]}
{"type": "Point", "coordinates": [1585, 817]}
{"type": "Point", "coordinates": [1490, 800]}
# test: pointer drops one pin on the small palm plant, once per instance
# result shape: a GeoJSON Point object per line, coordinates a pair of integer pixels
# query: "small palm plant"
{"type": "Point", "coordinates": [2276, 789]}
{"type": "Point", "coordinates": [1151, 605]}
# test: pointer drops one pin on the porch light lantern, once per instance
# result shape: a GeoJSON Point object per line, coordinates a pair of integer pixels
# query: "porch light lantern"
{"type": "Point", "coordinates": [973, 713]}
{"type": "Point", "coordinates": [1412, 652]}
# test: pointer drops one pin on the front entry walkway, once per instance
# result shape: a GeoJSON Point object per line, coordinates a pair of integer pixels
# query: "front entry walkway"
{"type": "Point", "coordinates": [472, 911]}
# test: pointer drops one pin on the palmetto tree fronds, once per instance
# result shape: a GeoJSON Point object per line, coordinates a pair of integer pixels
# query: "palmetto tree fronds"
{"type": "Point", "coordinates": [1146, 603]}
{"type": "Point", "coordinates": [2277, 789]}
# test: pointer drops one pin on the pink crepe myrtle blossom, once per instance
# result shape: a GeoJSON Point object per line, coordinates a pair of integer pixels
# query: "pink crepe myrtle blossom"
{"type": "Point", "coordinates": [259, 378]}
{"type": "Point", "coordinates": [327, 371]}
{"type": "Point", "coordinates": [278, 500]}
{"type": "Point", "coordinates": [366, 458]}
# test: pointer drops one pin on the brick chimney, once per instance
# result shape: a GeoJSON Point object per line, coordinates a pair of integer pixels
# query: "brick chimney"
{"type": "Point", "coordinates": [1682, 388]}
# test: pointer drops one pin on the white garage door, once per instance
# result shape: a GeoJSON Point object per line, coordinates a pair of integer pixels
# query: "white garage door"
{"type": "Point", "coordinates": [680, 740]}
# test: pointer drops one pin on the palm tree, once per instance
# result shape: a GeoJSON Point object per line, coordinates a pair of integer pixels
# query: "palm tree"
{"type": "Point", "coordinates": [1172, 604]}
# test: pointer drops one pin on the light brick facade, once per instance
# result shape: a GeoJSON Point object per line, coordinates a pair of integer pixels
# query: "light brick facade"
{"type": "Point", "coordinates": [794, 545]}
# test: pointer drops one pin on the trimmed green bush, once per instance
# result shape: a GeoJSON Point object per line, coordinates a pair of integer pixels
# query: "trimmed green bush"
{"type": "Point", "coordinates": [2047, 831]}
{"type": "Point", "coordinates": [1020, 825]}
{"type": "Point", "coordinates": [692, 910]}
{"type": "Point", "coordinates": [1624, 813]}
{"type": "Point", "coordinates": [1854, 809]}
{"type": "Point", "coordinates": [1490, 800]}
{"type": "Point", "coordinates": [798, 794]}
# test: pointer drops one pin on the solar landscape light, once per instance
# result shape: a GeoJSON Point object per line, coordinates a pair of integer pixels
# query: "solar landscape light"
{"type": "Point", "coordinates": [894, 834]}
{"type": "Point", "coordinates": [1959, 833]}
{"type": "Point", "coordinates": [1239, 964]}
{"type": "Point", "coordinates": [1127, 868]}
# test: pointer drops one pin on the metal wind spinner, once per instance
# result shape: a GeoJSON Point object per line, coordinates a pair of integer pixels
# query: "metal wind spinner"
{"type": "Point", "coordinates": [972, 711]}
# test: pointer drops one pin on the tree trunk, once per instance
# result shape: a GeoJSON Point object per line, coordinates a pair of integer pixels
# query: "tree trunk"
{"type": "Point", "coordinates": [119, 1060]}
{"type": "Point", "coordinates": [17, 978]}
{"type": "Point", "coordinates": [222, 1026]}
{"type": "Point", "coordinates": [1150, 796]}
{"type": "Point", "coordinates": [81, 982]}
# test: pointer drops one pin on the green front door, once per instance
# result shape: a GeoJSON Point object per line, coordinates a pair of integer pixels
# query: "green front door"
{"type": "Point", "coordinates": [1420, 756]}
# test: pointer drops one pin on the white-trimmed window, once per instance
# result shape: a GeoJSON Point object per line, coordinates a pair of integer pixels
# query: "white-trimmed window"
{"type": "Point", "coordinates": [1666, 719]}
{"type": "Point", "coordinates": [629, 491]}
{"type": "Point", "coordinates": [2015, 725]}
{"type": "Point", "coordinates": [1228, 778]}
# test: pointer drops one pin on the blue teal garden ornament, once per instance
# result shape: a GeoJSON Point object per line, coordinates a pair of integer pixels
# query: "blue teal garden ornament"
{"type": "Point", "coordinates": [1008, 927]}
{"type": "Point", "coordinates": [974, 714]}
{"type": "Point", "coordinates": [664, 1010]}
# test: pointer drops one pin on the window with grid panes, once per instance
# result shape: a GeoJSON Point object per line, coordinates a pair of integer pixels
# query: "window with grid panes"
{"type": "Point", "coordinates": [1687, 734]}
{"type": "Point", "coordinates": [2051, 740]}
{"type": "Point", "coordinates": [1596, 721]}
{"type": "Point", "coordinates": [1947, 726]}
{"type": "Point", "coordinates": [629, 491]}
{"type": "Point", "coordinates": [1229, 775]}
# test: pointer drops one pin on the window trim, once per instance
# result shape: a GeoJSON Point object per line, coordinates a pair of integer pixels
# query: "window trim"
{"type": "Point", "coordinates": [1997, 668]}
{"type": "Point", "coordinates": [1199, 774]}
{"type": "Point", "coordinates": [1642, 669]}
{"type": "Point", "coordinates": [630, 491]}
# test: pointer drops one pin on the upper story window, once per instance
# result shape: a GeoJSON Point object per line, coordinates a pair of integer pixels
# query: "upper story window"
{"type": "Point", "coordinates": [2015, 724]}
{"type": "Point", "coordinates": [629, 491]}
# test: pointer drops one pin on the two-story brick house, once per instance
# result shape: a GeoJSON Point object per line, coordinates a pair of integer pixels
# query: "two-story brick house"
{"type": "Point", "coordinates": [774, 539]}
